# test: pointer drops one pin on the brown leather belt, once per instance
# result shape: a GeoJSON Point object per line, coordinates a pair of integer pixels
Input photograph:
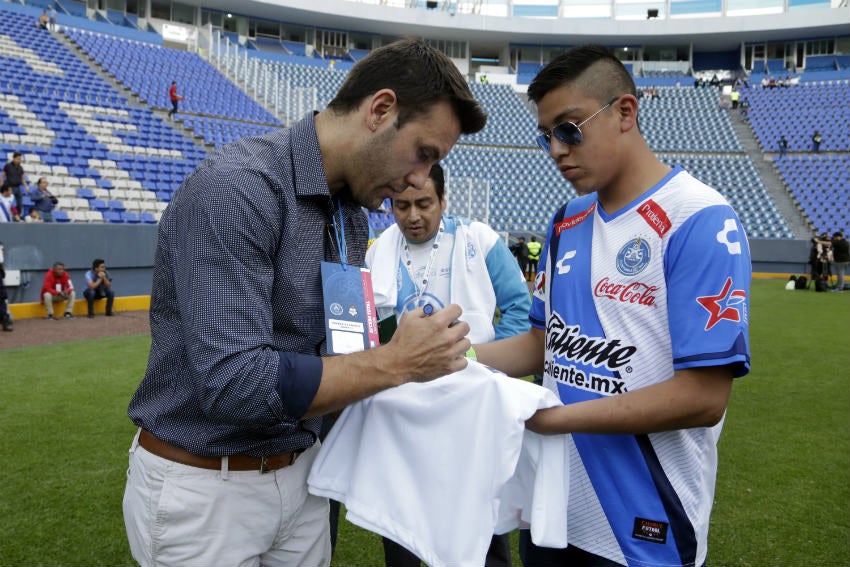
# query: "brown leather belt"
{"type": "Point", "coordinates": [234, 462]}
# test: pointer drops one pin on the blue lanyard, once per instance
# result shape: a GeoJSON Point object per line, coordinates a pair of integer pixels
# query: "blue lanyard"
{"type": "Point", "coordinates": [340, 237]}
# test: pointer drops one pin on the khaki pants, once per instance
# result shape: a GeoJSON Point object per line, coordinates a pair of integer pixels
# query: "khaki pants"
{"type": "Point", "coordinates": [177, 515]}
{"type": "Point", "coordinates": [48, 302]}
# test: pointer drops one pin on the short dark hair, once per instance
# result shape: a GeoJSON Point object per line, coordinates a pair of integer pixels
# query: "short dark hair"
{"type": "Point", "coordinates": [436, 175]}
{"type": "Point", "coordinates": [97, 262]}
{"type": "Point", "coordinates": [420, 76]}
{"type": "Point", "coordinates": [16, 154]}
{"type": "Point", "coordinates": [612, 80]}
{"type": "Point", "coordinates": [57, 264]}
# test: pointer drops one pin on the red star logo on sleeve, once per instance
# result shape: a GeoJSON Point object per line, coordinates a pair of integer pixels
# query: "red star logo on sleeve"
{"type": "Point", "coordinates": [725, 305]}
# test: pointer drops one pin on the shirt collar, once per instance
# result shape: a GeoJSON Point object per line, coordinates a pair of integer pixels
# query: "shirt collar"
{"type": "Point", "coordinates": [306, 155]}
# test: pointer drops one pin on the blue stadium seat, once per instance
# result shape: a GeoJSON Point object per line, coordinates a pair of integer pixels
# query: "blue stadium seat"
{"type": "Point", "coordinates": [112, 217]}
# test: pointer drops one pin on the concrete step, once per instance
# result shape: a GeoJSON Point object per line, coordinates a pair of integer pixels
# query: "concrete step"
{"type": "Point", "coordinates": [782, 198]}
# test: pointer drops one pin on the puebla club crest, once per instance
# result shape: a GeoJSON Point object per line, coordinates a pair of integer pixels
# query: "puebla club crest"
{"type": "Point", "coordinates": [633, 257]}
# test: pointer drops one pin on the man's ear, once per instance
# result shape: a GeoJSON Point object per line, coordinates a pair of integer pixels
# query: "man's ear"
{"type": "Point", "coordinates": [382, 107]}
{"type": "Point", "coordinates": [627, 109]}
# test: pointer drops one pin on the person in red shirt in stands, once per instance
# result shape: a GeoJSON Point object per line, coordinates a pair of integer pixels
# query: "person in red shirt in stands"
{"type": "Point", "coordinates": [58, 286]}
{"type": "Point", "coordinates": [175, 98]}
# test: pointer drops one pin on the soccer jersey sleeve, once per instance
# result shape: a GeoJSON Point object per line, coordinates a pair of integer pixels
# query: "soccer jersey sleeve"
{"type": "Point", "coordinates": [537, 315]}
{"type": "Point", "coordinates": [708, 273]}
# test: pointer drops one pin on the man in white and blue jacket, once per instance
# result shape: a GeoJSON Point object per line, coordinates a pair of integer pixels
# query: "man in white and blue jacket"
{"type": "Point", "coordinates": [431, 258]}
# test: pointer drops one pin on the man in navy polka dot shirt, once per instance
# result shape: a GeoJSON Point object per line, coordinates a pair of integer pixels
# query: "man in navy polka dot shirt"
{"type": "Point", "coordinates": [238, 379]}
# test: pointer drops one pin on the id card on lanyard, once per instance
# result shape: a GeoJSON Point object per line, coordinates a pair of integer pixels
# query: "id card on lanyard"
{"type": "Point", "coordinates": [351, 321]}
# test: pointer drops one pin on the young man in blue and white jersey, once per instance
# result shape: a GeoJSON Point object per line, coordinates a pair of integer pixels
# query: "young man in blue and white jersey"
{"type": "Point", "coordinates": [639, 323]}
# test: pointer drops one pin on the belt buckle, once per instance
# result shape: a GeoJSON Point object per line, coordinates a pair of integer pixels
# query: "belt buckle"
{"type": "Point", "coordinates": [263, 464]}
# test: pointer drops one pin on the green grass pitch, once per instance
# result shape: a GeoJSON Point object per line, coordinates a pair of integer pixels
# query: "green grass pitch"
{"type": "Point", "coordinates": [783, 488]}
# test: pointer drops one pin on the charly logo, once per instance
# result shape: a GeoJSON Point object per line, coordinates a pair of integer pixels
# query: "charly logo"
{"type": "Point", "coordinates": [336, 309]}
{"type": "Point", "coordinates": [563, 265]}
{"type": "Point", "coordinates": [633, 257]}
{"type": "Point", "coordinates": [729, 226]}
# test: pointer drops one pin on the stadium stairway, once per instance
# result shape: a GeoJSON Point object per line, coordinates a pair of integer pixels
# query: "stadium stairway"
{"type": "Point", "coordinates": [774, 184]}
{"type": "Point", "coordinates": [131, 97]}
{"type": "Point", "coordinates": [247, 89]}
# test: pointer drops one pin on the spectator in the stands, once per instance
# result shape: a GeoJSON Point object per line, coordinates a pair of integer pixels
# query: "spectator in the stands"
{"type": "Point", "coordinates": [8, 210]}
{"type": "Point", "coordinates": [13, 175]}
{"type": "Point", "coordinates": [174, 98]}
{"type": "Point", "coordinates": [51, 16]}
{"type": "Point", "coordinates": [43, 200]}
{"type": "Point", "coordinates": [783, 146]}
{"type": "Point", "coordinates": [33, 216]}
{"type": "Point", "coordinates": [817, 139]}
{"type": "Point", "coordinates": [43, 20]}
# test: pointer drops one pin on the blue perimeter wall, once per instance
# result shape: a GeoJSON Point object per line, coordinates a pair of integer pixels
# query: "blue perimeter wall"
{"type": "Point", "coordinates": [129, 253]}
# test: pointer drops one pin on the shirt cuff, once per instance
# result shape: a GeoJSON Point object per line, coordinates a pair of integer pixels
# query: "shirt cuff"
{"type": "Point", "coordinates": [298, 379]}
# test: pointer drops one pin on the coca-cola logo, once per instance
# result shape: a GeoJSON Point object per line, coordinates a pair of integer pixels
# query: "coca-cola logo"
{"type": "Point", "coordinates": [635, 293]}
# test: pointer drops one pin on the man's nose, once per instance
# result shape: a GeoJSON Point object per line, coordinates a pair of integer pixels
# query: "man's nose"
{"type": "Point", "coordinates": [418, 176]}
{"type": "Point", "coordinates": [558, 148]}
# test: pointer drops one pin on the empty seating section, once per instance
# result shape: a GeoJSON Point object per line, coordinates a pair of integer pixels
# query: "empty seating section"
{"type": "Point", "coordinates": [820, 63]}
{"type": "Point", "coordinates": [110, 160]}
{"type": "Point", "coordinates": [738, 180]}
{"type": "Point", "coordinates": [219, 132]}
{"type": "Point", "coordinates": [797, 111]}
{"type": "Point", "coordinates": [525, 188]}
{"type": "Point", "coordinates": [820, 185]}
{"type": "Point", "coordinates": [687, 119]}
{"type": "Point", "coordinates": [510, 122]}
{"type": "Point", "coordinates": [148, 69]}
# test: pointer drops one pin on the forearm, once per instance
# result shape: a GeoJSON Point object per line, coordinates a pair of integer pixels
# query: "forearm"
{"type": "Point", "coordinates": [351, 378]}
{"type": "Point", "coordinates": [520, 355]}
{"type": "Point", "coordinates": [692, 398]}
{"type": "Point", "coordinates": [422, 349]}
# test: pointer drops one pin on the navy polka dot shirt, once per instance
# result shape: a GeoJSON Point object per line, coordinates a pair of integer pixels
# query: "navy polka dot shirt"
{"type": "Point", "coordinates": [237, 319]}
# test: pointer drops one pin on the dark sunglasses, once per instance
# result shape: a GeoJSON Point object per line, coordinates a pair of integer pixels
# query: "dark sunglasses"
{"type": "Point", "coordinates": [568, 132]}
